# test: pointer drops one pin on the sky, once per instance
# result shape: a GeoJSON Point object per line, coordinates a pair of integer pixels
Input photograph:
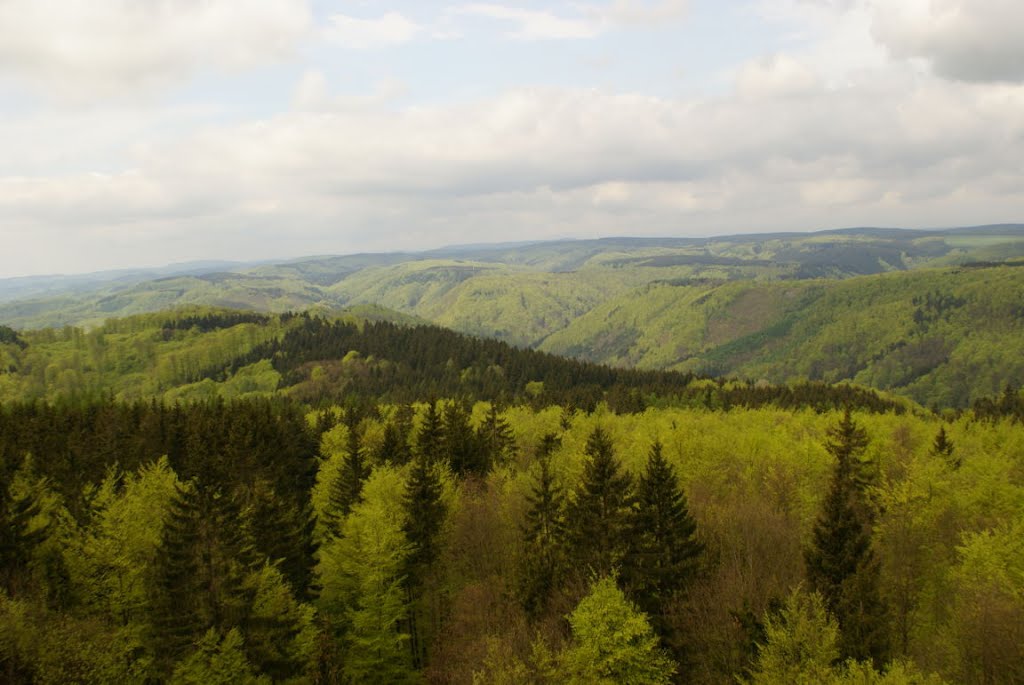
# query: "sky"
{"type": "Point", "coordinates": [147, 132]}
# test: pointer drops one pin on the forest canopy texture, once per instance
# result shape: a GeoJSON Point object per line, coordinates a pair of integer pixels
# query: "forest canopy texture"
{"type": "Point", "coordinates": [212, 496]}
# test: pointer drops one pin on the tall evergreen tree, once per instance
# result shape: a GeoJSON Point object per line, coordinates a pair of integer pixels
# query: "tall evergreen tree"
{"type": "Point", "coordinates": [424, 515]}
{"type": "Point", "coordinates": [18, 537]}
{"type": "Point", "coordinates": [943, 447]}
{"type": "Point", "coordinates": [200, 574]}
{"type": "Point", "coordinates": [495, 435]}
{"type": "Point", "coordinates": [664, 549]}
{"type": "Point", "coordinates": [430, 435]}
{"type": "Point", "coordinates": [459, 444]}
{"type": "Point", "coordinates": [282, 532]}
{"type": "Point", "coordinates": [394, 448]}
{"type": "Point", "coordinates": [544, 533]}
{"type": "Point", "coordinates": [599, 516]}
{"type": "Point", "coordinates": [840, 563]}
{"type": "Point", "coordinates": [346, 490]}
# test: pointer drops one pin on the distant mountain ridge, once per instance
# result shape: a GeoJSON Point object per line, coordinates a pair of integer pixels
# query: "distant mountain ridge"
{"type": "Point", "coordinates": [775, 306]}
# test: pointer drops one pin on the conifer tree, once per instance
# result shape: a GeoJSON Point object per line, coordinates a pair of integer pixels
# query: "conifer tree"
{"type": "Point", "coordinates": [18, 538]}
{"type": "Point", "coordinates": [459, 443]}
{"type": "Point", "coordinates": [599, 516]}
{"type": "Point", "coordinates": [840, 563]}
{"type": "Point", "coordinates": [495, 435]}
{"type": "Point", "coordinates": [424, 513]}
{"type": "Point", "coordinates": [346, 490]}
{"type": "Point", "coordinates": [282, 532]}
{"type": "Point", "coordinates": [429, 435]}
{"type": "Point", "coordinates": [394, 448]}
{"type": "Point", "coordinates": [544, 533]}
{"type": "Point", "coordinates": [943, 447]}
{"type": "Point", "coordinates": [201, 570]}
{"type": "Point", "coordinates": [664, 548]}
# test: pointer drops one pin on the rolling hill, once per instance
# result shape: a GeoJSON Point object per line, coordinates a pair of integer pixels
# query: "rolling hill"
{"type": "Point", "coordinates": [895, 309]}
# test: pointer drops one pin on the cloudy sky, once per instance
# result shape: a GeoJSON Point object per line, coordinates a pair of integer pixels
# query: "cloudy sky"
{"type": "Point", "coordinates": [144, 132]}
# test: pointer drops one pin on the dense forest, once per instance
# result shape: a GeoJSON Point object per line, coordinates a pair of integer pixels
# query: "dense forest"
{"type": "Point", "coordinates": [255, 541]}
{"type": "Point", "coordinates": [211, 496]}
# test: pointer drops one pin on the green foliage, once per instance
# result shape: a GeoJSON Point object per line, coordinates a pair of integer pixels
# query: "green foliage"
{"type": "Point", "coordinates": [22, 531]}
{"type": "Point", "coordinates": [664, 549]}
{"type": "Point", "coordinates": [801, 643]}
{"type": "Point", "coordinates": [424, 513]}
{"type": "Point", "coordinates": [375, 556]}
{"type": "Point", "coordinates": [116, 556]}
{"type": "Point", "coordinates": [600, 513]}
{"type": "Point", "coordinates": [988, 607]}
{"type": "Point", "coordinates": [347, 486]}
{"type": "Point", "coordinates": [612, 642]}
{"type": "Point", "coordinates": [218, 661]}
{"type": "Point", "coordinates": [840, 562]}
{"type": "Point", "coordinates": [801, 648]}
{"type": "Point", "coordinates": [132, 574]}
{"type": "Point", "coordinates": [201, 571]}
{"type": "Point", "coordinates": [545, 534]}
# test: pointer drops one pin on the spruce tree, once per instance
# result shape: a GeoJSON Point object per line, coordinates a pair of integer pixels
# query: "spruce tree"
{"type": "Point", "coordinates": [544, 534]}
{"type": "Point", "coordinates": [346, 490]}
{"type": "Point", "coordinates": [495, 435]}
{"type": "Point", "coordinates": [18, 539]}
{"type": "Point", "coordinates": [282, 532]}
{"type": "Point", "coordinates": [600, 514]}
{"type": "Point", "coordinates": [201, 570]}
{"type": "Point", "coordinates": [459, 443]}
{"type": "Point", "coordinates": [424, 515]}
{"type": "Point", "coordinates": [943, 447]}
{"type": "Point", "coordinates": [664, 548]}
{"type": "Point", "coordinates": [429, 435]}
{"type": "Point", "coordinates": [840, 563]}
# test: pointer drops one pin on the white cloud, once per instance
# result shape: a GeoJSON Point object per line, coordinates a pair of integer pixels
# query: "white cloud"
{"type": "Point", "coordinates": [387, 30]}
{"type": "Point", "coordinates": [86, 50]}
{"type": "Point", "coordinates": [536, 24]}
{"type": "Point", "coordinates": [587, 20]}
{"type": "Point", "coordinates": [537, 162]}
{"type": "Point", "coordinates": [645, 12]}
{"type": "Point", "coordinates": [776, 75]}
{"type": "Point", "coordinates": [969, 40]}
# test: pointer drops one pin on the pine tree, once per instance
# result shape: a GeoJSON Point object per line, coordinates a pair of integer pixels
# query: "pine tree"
{"type": "Point", "coordinates": [599, 516]}
{"type": "Point", "coordinates": [459, 443]}
{"type": "Point", "coordinates": [544, 533]}
{"type": "Point", "coordinates": [18, 537]}
{"type": "Point", "coordinates": [424, 515]}
{"type": "Point", "coordinates": [495, 435]}
{"type": "Point", "coordinates": [430, 434]}
{"type": "Point", "coordinates": [840, 563]}
{"type": "Point", "coordinates": [282, 532]}
{"type": "Point", "coordinates": [943, 447]}
{"type": "Point", "coordinates": [346, 490]}
{"type": "Point", "coordinates": [201, 570]}
{"type": "Point", "coordinates": [665, 550]}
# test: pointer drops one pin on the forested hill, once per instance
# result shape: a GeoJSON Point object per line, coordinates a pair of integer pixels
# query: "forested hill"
{"type": "Point", "coordinates": [201, 354]}
{"type": "Point", "coordinates": [931, 315]}
{"type": "Point", "coordinates": [519, 293]}
{"type": "Point", "coordinates": [943, 337]}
